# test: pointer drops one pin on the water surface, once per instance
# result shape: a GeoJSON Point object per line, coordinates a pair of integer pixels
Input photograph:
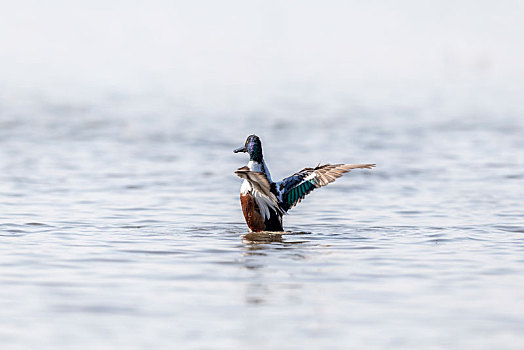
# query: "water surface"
{"type": "Point", "coordinates": [121, 227]}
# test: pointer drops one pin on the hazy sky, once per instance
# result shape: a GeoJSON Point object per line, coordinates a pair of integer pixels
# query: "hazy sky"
{"type": "Point", "coordinates": [241, 44]}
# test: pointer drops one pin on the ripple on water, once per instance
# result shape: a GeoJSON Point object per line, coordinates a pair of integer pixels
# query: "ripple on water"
{"type": "Point", "coordinates": [510, 228]}
{"type": "Point", "coordinates": [116, 241]}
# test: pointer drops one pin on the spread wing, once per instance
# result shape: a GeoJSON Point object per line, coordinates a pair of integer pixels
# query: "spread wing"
{"type": "Point", "coordinates": [260, 185]}
{"type": "Point", "coordinates": [295, 187]}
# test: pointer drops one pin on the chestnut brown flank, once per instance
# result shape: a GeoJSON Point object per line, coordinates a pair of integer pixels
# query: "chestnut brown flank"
{"type": "Point", "coordinates": [252, 213]}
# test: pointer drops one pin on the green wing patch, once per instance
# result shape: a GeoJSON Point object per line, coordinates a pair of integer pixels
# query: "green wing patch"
{"type": "Point", "coordinates": [296, 194]}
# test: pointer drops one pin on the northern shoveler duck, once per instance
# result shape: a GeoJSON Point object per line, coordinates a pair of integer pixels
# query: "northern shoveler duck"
{"type": "Point", "coordinates": [264, 202]}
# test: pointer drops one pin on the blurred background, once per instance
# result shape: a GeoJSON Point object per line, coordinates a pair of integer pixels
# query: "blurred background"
{"type": "Point", "coordinates": [119, 217]}
{"type": "Point", "coordinates": [236, 54]}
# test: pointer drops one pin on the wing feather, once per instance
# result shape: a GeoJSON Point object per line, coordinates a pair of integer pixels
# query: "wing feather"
{"type": "Point", "coordinates": [261, 184]}
{"type": "Point", "coordinates": [295, 187]}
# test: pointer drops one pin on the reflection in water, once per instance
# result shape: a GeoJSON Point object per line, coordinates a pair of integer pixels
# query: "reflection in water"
{"type": "Point", "coordinates": [262, 252]}
{"type": "Point", "coordinates": [260, 243]}
{"type": "Point", "coordinates": [255, 238]}
{"type": "Point", "coordinates": [257, 293]}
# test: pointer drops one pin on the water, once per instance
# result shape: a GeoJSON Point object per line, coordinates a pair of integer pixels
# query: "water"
{"type": "Point", "coordinates": [120, 223]}
{"type": "Point", "coordinates": [121, 228]}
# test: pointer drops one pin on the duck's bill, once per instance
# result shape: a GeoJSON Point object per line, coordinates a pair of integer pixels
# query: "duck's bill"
{"type": "Point", "coordinates": [240, 149]}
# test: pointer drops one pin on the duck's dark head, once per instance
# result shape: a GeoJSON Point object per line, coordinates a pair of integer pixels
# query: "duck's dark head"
{"type": "Point", "coordinates": [253, 146]}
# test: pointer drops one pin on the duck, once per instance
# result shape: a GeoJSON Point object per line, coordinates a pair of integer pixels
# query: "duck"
{"type": "Point", "coordinates": [265, 202]}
